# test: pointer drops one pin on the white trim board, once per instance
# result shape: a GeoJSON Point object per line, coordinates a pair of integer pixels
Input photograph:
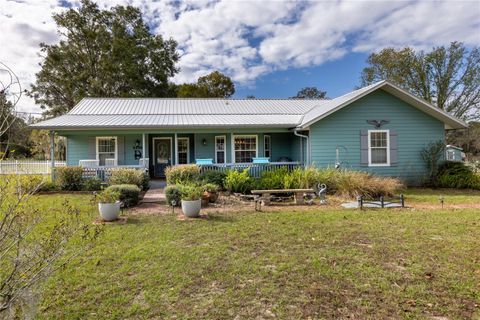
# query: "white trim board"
{"type": "Point", "coordinates": [370, 164]}
{"type": "Point", "coordinates": [269, 145]}
{"type": "Point", "coordinates": [246, 136]}
{"type": "Point", "coordinates": [103, 138]}
{"type": "Point", "coordinates": [188, 149]}
{"type": "Point", "coordinates": [224, 148]}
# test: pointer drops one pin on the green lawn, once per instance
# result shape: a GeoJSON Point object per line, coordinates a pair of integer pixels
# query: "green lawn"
{"type": "Point", "coordinates": [326, 264]}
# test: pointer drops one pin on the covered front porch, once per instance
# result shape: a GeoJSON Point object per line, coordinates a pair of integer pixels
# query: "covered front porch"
{"type": "Point", "coordinates": [98, 151]}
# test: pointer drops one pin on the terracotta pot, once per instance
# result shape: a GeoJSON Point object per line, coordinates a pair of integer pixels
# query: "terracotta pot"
{"type": "Point", "coordinates": [213, 196]}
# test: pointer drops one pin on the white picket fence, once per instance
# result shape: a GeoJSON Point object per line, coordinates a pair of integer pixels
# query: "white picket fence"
{"type": "Point", "coordinates": [28, 166]}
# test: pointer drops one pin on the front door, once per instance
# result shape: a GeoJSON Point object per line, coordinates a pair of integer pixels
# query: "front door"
{"type": "Point", "coordinates": [162, 156]}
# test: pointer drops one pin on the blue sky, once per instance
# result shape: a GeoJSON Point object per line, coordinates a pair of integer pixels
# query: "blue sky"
{"type": "Point", "coordinates": [271, 49]}
{"type": "Point", "coordinates": [336, 77]}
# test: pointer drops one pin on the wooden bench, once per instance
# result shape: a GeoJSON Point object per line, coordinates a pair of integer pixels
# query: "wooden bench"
{"type": "Point", "coordinates": [298, 194]}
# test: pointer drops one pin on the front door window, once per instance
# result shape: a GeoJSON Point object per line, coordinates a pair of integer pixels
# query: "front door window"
{"type": "Point", "coordinates": [163, 156]}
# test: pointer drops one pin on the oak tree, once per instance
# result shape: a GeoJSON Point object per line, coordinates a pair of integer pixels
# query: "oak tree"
{"type": "Point", "coordinates": [103, 53]}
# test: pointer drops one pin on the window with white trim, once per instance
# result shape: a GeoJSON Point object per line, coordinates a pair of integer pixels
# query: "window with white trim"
{"type": "Point", "coordinates": [267, 145]}
{"type": "Point", "coordinates": [450, 155]}
{"type": "Point", "coordinates": [183, 150]}
{"type": "Point", "coordinates": [106, 149]}
{"type": "Point", "coordinates": [245, 148]}
{"type": "Point", "coordinates": [378, 148]}
{"type": "Point", "coordinates": [220, 149]}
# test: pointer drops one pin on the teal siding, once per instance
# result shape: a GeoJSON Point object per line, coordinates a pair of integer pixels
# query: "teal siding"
{"type": "Point", "coordinates": [342, 129]}
{"type": "Point", "coordinates": [77, 149]}
{"type": "Point", "coordinates": [78, 146]}
{"type": "Point", "coordinates": [206, 151]}
{"type": "Point", "coordinates": [129, 152]}
{"type": "Point", "coordinates": [284, 144]}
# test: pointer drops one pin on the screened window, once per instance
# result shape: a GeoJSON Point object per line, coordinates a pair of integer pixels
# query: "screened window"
{"type": "Point", "coordinates": [266, 146]}
{"type": "Point", "coordinates": [106, 149]}
{"type": "Point", "coordinates": [220, 149]}
{"type": "Point", "coordinates": [183, 150]}
{"type": "Point", "coordinates": [245, 148]}
{"type": "Point", "coordinates": [379, 145]}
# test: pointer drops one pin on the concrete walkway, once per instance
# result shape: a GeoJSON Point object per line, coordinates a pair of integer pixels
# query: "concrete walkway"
{"type": "Point", "coordinates": [156, 193]}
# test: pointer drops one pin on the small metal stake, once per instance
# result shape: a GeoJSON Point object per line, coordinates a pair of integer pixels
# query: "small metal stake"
{"type": "Point", "coordinates": [442, 200]}
{"type": "Point", "coordinates": [173, 203]}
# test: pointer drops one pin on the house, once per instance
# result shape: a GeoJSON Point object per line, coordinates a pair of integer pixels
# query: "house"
{"type": "Point", "coordinates": [380, 128]}
{"type": "Point", "coordinates": [453, 153]}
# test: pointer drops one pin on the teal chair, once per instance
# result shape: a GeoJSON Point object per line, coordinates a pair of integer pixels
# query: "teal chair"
{"type": "Point", "coordinates": [261, 160]}
{"type": "Point", "coordinates": [204, 161]}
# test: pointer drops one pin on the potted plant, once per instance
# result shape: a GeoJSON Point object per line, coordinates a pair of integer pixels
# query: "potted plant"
{"type": "Point", "coordinates": [210, 192]}
{"type": "Point", "coordinates": [191, 200]}
{"type": "Point", "coordinates": [109, 204]}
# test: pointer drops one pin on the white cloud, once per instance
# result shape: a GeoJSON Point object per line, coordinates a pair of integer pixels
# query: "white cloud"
{"type": "Point", "coordinates": [247, 39]}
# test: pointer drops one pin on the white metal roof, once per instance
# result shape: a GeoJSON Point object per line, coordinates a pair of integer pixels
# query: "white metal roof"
{"type": "Point", "coordinates": [110, 113]}
{"type": "Point", "coordinates": [171, 121]}
{"type": "Point", "coordinates": [157, 106]}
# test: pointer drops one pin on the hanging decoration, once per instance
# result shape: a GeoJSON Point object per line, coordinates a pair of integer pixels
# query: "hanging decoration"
{"type": "Point", "coordinates": [378, 123]}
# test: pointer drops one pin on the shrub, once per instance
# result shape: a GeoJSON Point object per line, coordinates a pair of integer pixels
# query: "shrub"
{"type": "Point", "coordinates": [274, 179]}
{"type": "Point", "coordinates": [215, 177]}
{"type": "Point", "coordinates": [128, 176]}
{"type": "Point", "coordinates": [301, 178]}
{"type": "Point", "coordinates": [146, 181]}
{"type": "Point", "coordinates": [22, 184]}
{"type": "Point", "coordinates": [129, 193]}
{"type": "Point", "coordinates": [210, 187]}
{"type": "Point", "coordinates": [69, 178]}
{"type": "Point", "coordinates": [91, 184]}
{"type": "Point", "coordinates": [457, 175]}
{"type": "Point", "coordinates": [238, 181]}
{"type": "Point", "coordinates": [173, 193]}
{"type": "Point", "coordinates": [350, 184]}
{"type": "Point", "coordinates": [48, 186]}
{"type": "Point", "coordinates": [108, 196]}
{"type": "Point", "coordinates": [183, 174]}
{"type": "Point", "coordinates": [190, 192]}
{"type": "Point", "coordinates": [431, 155]}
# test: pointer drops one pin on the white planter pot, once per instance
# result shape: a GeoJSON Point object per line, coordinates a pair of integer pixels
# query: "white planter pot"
{"type": "Point", "coordinates": [192, 208]}
{"type": "Point", "coordinates": [109, 211]}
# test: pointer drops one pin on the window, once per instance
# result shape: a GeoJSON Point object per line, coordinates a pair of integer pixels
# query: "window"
{"type": "Point", "coordinates": [220, 149]}
{"type": "Point", "coordinates": [378, 148]}
{"type": "Point", "coordinates": [450, 155]}
{"type": "Point", "coordinates": [183, 148]}
{"type": "Point", "coordinates": [245, 148]}
{"type": "Point", "coordinates": [106, 149]}
{"type": "Point", "coordinates": [266, 146]}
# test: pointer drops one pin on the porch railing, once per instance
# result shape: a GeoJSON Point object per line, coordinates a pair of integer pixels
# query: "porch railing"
{"type": "Point", "coordinates": [103, 172]}
{"type": "Point", "coordinates": [256, 169]}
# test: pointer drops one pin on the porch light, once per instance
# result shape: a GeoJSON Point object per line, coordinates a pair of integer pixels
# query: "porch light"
{"type": "Point", "coordinates": [204, 141]}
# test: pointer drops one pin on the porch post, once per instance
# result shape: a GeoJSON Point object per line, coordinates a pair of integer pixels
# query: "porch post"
{"type": "Point", "coordinates": [176, 150]}
{"type": "Point", "coordinates": [52, 154]}
{"type": "Point", "coordinates": [143, 150]}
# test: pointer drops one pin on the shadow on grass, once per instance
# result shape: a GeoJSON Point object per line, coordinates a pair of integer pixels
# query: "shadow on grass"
{"type": "Point", "coordinates": [220, 218]}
